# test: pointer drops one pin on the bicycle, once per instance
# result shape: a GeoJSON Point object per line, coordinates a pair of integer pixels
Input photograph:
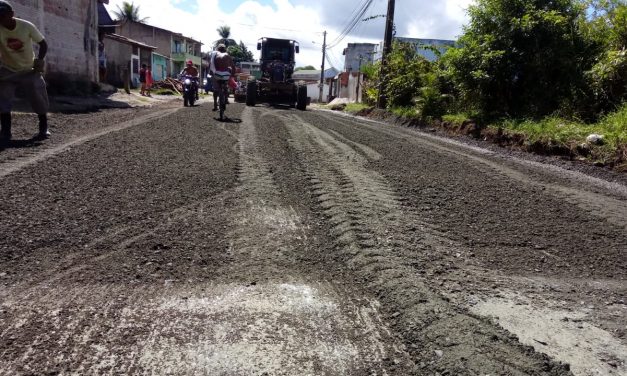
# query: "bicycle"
{"type": "Point", "coordinates": [222, 80]}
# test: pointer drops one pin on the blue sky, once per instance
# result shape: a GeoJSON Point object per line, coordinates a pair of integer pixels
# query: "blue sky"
{"type": "Point", "coordinates": [226, 6]}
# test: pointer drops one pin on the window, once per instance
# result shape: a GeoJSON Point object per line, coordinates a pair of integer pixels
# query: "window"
{"type": "Point", "coordinates": [178, 47]}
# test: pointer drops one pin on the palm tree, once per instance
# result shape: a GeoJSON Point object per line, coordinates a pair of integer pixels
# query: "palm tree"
{"type": "Point", "coordinates": [129, 12]}
{"type": "Point", "coordinates": [224, 32]}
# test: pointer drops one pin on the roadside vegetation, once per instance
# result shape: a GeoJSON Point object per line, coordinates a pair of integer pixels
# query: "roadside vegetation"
{"type": "Point", "coordinates": [546, 75]}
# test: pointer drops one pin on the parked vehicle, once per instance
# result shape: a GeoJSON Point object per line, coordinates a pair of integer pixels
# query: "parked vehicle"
{"type": "Point", "coordinates": [190, 90]}
{"type": "Point", "coordinates": [276, 85]}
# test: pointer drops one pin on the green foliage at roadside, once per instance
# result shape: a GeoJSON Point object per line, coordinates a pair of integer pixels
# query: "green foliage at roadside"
{"type": "Point", "coordinates": [565, 133]}
{"type": "Point", "coordinates": [411, 82]}
{"type": "Point", "coordinates": [354, 108]}
{"type": "Point", "coordinates": [553, 70]}
{"type": "Point", "coordinates": [518, 57]}
{"type": "Point", "coordinates": [608, 76]}
{"type": "Point", "coordinates": [163, 92]}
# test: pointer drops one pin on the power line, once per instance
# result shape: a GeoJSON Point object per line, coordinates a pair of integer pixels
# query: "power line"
{"type": "Point", "coordinates": [360, 12]}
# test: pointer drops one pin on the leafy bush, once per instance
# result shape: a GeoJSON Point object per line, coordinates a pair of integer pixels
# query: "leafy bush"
{"type": "Point", "coordinates": [607, 79]}
{"type": "Point", "coordinates": [371, 82]}
{"type": "Point", "coordinates": [518, 57]}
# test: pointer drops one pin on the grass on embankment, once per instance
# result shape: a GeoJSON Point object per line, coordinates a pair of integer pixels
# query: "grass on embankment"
{"type": "Point", "coordinates": [555, 135]}
{"type": "Point", "coordinates": [551, 135]}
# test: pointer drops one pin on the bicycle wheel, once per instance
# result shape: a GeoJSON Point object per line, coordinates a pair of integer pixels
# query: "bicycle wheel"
{"type": "Point", "coordinates": [222, 99]}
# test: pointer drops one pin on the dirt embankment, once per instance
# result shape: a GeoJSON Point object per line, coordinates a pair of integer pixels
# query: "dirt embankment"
{"type": "Point", "coordinates": [584, 154]}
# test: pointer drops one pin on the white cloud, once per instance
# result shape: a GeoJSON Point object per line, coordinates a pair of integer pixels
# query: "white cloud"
{"type": "Point", "coordinates": [303, 21]}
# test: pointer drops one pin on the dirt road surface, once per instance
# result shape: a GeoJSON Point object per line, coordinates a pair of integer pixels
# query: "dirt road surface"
{"type": "Point", "coordinates": [161, 241]}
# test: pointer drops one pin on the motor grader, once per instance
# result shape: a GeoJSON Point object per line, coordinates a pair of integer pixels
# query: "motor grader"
{"type": "Point", "coordinates": [276, 85]}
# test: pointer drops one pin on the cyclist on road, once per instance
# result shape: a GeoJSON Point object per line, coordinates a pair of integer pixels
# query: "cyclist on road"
{"type": "Point", "coordinates": [224, 68]}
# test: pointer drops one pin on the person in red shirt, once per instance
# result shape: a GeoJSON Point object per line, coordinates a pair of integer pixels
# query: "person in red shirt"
{"type": "Point", "coordinates": [149, 81]}
{"type": "Point", "coordinates": [191, 71]}
{"type": "Point", "coordinates": [142, 80]}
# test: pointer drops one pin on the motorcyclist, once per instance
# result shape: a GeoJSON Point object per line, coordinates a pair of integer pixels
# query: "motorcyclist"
{"type": "Point", "coordinates": [191, 71]}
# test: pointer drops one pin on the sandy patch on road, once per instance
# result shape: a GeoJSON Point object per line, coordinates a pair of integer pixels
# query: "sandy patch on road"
{"type": "Point", "coordinates": [225, 329]}
{"type": "Point", "coordinates": [563, 335]}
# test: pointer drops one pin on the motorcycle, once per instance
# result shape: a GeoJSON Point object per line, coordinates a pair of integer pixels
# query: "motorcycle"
{"type": "Point", "coordinates": [190, 90]}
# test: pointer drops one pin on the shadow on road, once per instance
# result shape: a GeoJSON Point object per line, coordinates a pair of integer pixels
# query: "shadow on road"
{"type": "Point", "coordinates": [20, 144]}
{"type": "Point", "coordinates": [227, 120]}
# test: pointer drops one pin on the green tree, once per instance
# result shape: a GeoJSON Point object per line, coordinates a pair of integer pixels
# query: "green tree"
{"type": "Point", "coordinates": [607, 31]}
{"type": "Point", "coordinates": [240, 53]}
{"type": "Point", "coordinates": [129, 12]}
{"type": "Point", "coordinates": [224, 32]}
{"type": "Point", "coordinates": [307, 67]}
{"type": "Point", "coordinates": [519, 57]}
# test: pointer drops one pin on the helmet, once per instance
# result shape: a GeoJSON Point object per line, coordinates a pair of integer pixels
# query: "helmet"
{"type": "Point", "coordinates": [189, 62]}
{"type": "Point", "coordinates": [5, 7]}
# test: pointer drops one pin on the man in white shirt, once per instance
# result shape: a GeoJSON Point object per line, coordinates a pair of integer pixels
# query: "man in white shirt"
{"type": "Point", "coordinates": [18, 67]}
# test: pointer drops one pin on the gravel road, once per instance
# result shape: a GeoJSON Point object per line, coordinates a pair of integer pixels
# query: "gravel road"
{"type": "Point", "coordinates": [161, 241]}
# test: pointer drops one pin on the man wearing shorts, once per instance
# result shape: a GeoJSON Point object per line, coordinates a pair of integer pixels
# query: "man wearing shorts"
{"type": "Point", "coordinates": [18, 67]}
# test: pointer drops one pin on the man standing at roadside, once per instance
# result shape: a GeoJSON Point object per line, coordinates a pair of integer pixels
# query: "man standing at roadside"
{"type": "Point", "coordinates": [18, 67]}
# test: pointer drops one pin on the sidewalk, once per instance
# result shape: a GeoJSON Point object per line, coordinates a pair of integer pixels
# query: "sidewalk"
{"type": "Point", "coordinates": [119, 99]}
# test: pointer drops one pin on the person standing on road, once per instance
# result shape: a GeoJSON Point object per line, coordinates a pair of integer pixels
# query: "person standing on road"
{"type": "Point", "coordinates": [149, 81]}
{"type": "Point", "coordinates": [142, 80]}
{"type": "Point", "coordinates": [18, 67]}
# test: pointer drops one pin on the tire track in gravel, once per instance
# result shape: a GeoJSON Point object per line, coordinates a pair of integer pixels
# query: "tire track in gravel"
{"type": "Point", "coordinates": [292, 324]}
{"type": "Point", "coordinates": [367, 225]}
{"type": "Point", "coordinates": [610, 205]}
{"type": "Point", "coordinates": [32, 157]}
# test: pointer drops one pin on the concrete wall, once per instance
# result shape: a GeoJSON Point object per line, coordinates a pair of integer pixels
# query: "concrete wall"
{"type": "Point", "coordinates": [313, 92]}
{"type": "Point", "coordinates": [118, 59]}
{"type": "Point", "coordinates": [71, 30]}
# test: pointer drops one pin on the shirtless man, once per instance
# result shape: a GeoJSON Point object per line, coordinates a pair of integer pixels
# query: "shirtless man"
{"type": "Point", "coordinates": [223, 67]}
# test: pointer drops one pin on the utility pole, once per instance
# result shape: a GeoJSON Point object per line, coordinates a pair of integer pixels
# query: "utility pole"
{"type": "Point", "coordinates": [387, 45]}
{"type": "Point", "coordinates": [358, 80]}
{"type": "Point", "coordinates": [324, 51]}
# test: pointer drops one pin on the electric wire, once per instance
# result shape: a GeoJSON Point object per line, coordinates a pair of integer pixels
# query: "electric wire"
{"type": "Point", "coordinates": [351, 24]}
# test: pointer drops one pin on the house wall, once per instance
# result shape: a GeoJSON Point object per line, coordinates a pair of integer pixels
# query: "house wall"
{"type": "Point", "coordinates": [118, 59]}
{"type": "Point", "coordinates": [440, 44]}
{"type": "Point", "coordinates": [313, 92]}
{"type": "Point", "coordinates": [162, 39]}
{"type": "Point", "coordinates": [71, 30]}
{"type": "Point", "coordinates": [356, 52]}
{"type": "Point", "coordinates": [159, 67]}
{"type": "Point", "coordinates": [346, 86]}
